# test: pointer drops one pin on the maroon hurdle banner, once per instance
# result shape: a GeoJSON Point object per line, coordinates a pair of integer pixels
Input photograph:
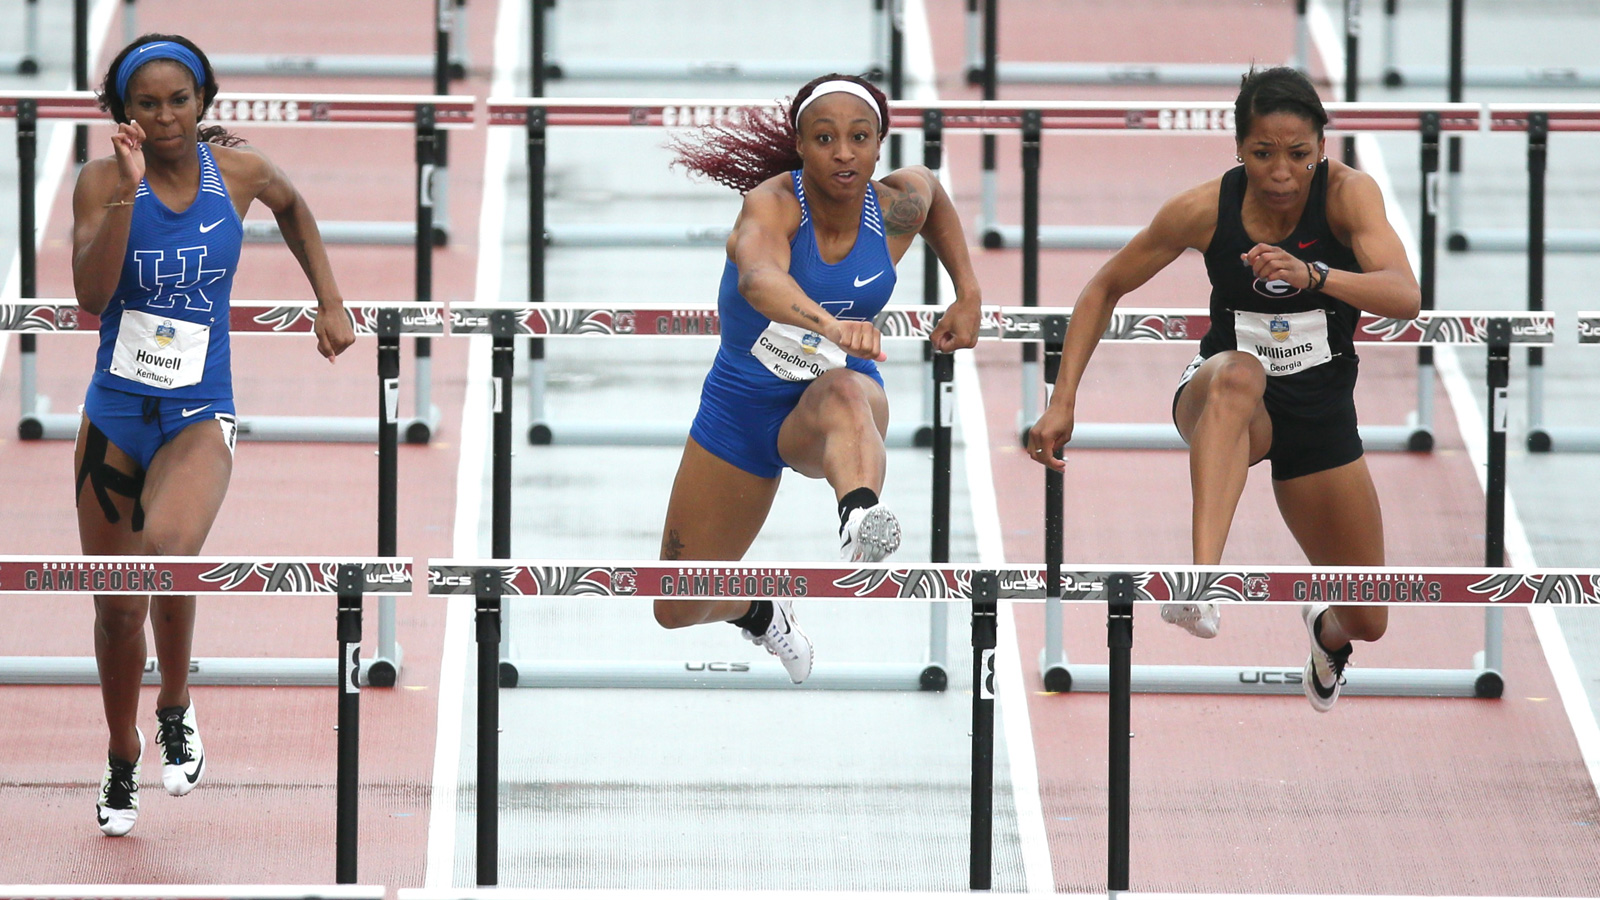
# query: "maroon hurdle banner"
{"type": "Point", "coordinates": [991, 115]}
{"type": "Point", "coordinates": [1008, 323]}
{"type": "Point", "coordinates": [269, 109]}
{"type": "Point", "coordinates": [1175, 584]}
{"type": "Point", "coordinates": [197, 575]}
{"type": "Point", "coordinates": [244, 317]}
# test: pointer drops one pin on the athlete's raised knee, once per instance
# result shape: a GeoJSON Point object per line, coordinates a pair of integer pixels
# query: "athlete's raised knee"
{"type": "Point", "coordinates": [675, 614]}
{"type": "Point", "coordinates": [1237, 377]}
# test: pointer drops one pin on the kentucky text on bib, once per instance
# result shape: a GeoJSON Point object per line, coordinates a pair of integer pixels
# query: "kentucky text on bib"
{"type": "Point", "coordinates": [1284, 342]}
{"type": "Point", "coordinates": [795, 354]}
{"type": "Point", "coordinates": [160, 352]}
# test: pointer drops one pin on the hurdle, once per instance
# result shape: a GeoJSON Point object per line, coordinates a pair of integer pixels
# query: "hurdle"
{"type": "Point", "coordinates": [546, 38]}
{"type": "Point", "coordinates": [984, 67]}
{"type": "Point", "coordinates": [575, 321]}
{"type": "Point", "coordinates": [349, 579]}
{"type": "Point", "coordinates": [425, 114]}
{"type": "Point", "coordinates": [1415, 75]}
{"type": "Point", "coordinates": [26, 61]}
{"type": "Point", "coordinates": [488, 582]}
{"type": "Point", "coordinates": [1496, 331]}
{"type": "Point", "coordinates": [448, 61]}
{"type": "Point", "coordinates": [537, 116]}
{"type": "Point", "coordinates": [385, 320]}
{"type": "Point", "coordinates": [1539, 122]}
{"type": "Point", "coordinates": [1034, 120]}
{"type": "Point", "coordinates": [190, 892]}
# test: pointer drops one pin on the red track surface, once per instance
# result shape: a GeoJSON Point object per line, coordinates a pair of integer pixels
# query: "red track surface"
{"type": "Point", "coordinates": [265, 812]}
{"type": "Point", "coordinates": [1251, 794]}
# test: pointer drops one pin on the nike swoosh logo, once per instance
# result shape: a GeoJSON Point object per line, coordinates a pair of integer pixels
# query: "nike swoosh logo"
{"type": "Point", "coordinates": [103, 819]}
{"type": "Point", "coordinates": [196, 776]}
{"type": "Point", "coordinates": [863, 282]}
{"type": "Point", "coordinates": [189, 412]}
{"type": "Point", "coordinates": [206, 228]}
{"type": "Point", "coordinates": [1303, 244]}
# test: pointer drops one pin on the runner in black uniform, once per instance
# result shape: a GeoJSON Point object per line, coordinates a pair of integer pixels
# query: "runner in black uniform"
{"type": "Point", "coordinates": [1296, 247]}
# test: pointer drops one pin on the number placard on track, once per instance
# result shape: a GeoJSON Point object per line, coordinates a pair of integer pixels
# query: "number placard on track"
{"type": "Point", "coordinates": [270, 109]}
{"type": "Point", "coordinates": [245, 316]}
{"type": "Point", "coordinates": [197, 575]}
{"type": "Point", "coordinates": [886, 581]}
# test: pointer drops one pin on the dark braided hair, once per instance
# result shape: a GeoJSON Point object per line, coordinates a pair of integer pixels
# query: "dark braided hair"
{"type": "Point", "coordinates": [761, 142]}
{"type": "Point", "coordinates": [1277, 90]}
{"type": "Point", "coordinates": [113, 103]}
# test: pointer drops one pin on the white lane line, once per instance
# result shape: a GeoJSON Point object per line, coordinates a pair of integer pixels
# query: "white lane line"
{"type": "Point", "coordinates": [1018, 730]}
{"type": "Point", "coordinates": [1463, 399]}
{"type": "Point", "coordinates": [52, 172]}
{"type": "Point", "coordinates": [442, 824]}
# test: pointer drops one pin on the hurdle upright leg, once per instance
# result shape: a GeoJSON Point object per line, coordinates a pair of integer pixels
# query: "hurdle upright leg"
{"type": "Point", "coordinates": [985, 616]}
{"type": "Point", "coordinates": [352, 581]}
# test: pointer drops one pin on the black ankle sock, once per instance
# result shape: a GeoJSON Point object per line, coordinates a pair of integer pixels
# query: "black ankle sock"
{"type": "Point", "coordinates": [756, 618]}
{"type": "Point", "coordinates": [860, 498]}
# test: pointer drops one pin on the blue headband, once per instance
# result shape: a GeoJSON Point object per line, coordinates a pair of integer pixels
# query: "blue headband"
{"type": "Point", "coordinates": [151, 52]}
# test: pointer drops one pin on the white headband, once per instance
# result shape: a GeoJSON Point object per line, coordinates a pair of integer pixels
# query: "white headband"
{"type": "Point", "coordinates": [835, 87]}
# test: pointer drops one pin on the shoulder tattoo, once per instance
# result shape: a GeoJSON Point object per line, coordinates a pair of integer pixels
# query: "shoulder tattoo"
{"type": "Point", "coordinates": [906, 211]}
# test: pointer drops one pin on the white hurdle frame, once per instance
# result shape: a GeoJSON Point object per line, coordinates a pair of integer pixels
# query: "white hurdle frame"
{"type": "Point", "coordinates": [1414, 75]}
{"type": "Point", "coordinates": [191, 892]}
{"type": "Point", "coordinates": [386, 320]}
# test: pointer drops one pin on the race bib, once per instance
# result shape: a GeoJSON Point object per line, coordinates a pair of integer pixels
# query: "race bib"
{"type": "Point", "coordinates": [1285, 343]}
{"type": "Point", "coordinates": [795, 354]}
{"type": "Point", "coordinates": [160, 352]}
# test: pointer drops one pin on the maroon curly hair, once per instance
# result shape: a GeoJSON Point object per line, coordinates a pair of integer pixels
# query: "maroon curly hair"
{"type": "Point", "coordinates": [762, 144]}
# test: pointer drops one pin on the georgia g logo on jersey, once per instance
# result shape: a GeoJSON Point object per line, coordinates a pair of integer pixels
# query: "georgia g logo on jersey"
{"type": "Point", "coordinates": [1276, 288]}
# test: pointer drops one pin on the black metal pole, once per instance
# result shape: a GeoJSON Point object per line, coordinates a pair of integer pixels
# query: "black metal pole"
{"type": "Point", "coordinates": [502, 368]}
{"type": "Point", "coordinates": [1538, 162]}
{"type": "Point", "coordinates": [1457, 84]}
{"type": "Point", "coordinates": [352, 582]}
{"type": "Point", "coordinates": [429, 141]}
{"type": "Point", "coordinates": [80, 73]}
{"type": "Point", "coordinates": [944, 370]}
{"type": "Point", "coordinates": [991, 84]}
{"type": "Point", "coordinates": [538, 432]}
{"type": "Point", "coordinates": [1032, 130]}
{"type": "Point", "coordinates": [1498, 376]}
{"type": "Point", "coordinates": [1352, 67]}
{"type": "Point", "coordinates": [933, 158]}
{"type": "Point", "coordinates": [1056, 676]}
{"type": "Point", "coordinates": [1119, 638]}
{"type": "Point", "coordinates": [27, 236]}
{"type": "Point", "coordinates": [985, 611]}
{"type": "Point", "coordinates": [1422, 439]}
{"type": "Point", "coordinates": [488, 588]}
{"type": "Point", "coordinates": [388, 430]}
{"type": "Point", "coordinates": [897, 75]}
{"type": "Point", "coordinates": [536, 56]}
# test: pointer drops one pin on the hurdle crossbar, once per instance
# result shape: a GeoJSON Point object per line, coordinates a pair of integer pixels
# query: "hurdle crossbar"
{"type": "Point", "coordinates": [348, 578]}
{"type": "Point", "coordinates": [427, 115]}
{"type": "Point", "coordinates": [387, 320]}
{"type": "Point", "coordinates": [191, 892]}
{"type": "Point", "coordinates": [985, 68]}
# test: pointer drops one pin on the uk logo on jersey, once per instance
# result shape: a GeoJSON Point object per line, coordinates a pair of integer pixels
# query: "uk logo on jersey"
{"type": "Point", "coordinates": [179, 282]}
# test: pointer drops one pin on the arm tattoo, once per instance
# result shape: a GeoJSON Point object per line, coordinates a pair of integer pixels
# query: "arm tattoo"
{"type": "Point", "coordinates": [672, 547]}
{"type": "Point", "coordinates": [809, 316]}
{"type": "Point", "coordinates": [906, 213]}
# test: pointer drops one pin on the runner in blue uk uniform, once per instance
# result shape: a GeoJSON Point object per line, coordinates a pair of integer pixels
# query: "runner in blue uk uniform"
{"type": "Point", "coordinates": [156, 235]}
{"type": "Point", "coordinates": [1296, 247]}
{"type": "Point", "coordinates": [795, 383]}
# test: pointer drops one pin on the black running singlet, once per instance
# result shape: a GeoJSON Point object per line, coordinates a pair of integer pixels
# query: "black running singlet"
{"type": "Point", "coordinates": [1302, 339]}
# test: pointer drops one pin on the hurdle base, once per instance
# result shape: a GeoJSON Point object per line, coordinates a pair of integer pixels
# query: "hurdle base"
{"type": "Point", "coordinates": [224, 671]}
{"type": "Point", "coordinates": [1494, 76]}
{"type": "Point", "coordinates": [1567, 439]}
{"type": "Point", "coordinates": [311, 66]}
{"type": "Point", "coordinates": [1477, 683]}
{"type": "Point", "coordinates": [1156, 436]}
{"type": "Point", "coordinates": [705, 70]}
{"type": "Point", "coordinates": [764, 674]}
{"type": "Point", "coordinates": [633, 235]}
{"type": "Point", "coordinates": [383, 671]}
{"type": "Point", "coordinates": [1062, 237]}
{"type": "Point", "coordinates": [591, 433]}
{"type": "Point", "coordinates": [1513, 240]}
{"type": "Point", "coordinates": [258, 231]}
{"type": "Point", "coordinates": [1201, 74]}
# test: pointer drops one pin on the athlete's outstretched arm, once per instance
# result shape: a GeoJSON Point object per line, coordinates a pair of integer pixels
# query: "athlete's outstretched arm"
{"type": "Point", "coordinates": [299, 229]}
{"type": "Point", "coordinates": [1185, 221]}
{"type": "Point", "coordinates": [919, 205]}
{"type": "Point", "coordinates": [102, 213]}
{"type": "Point", "coordinates": [1385, 286]}
{"type": "Point", "coordinates": [759, 247]}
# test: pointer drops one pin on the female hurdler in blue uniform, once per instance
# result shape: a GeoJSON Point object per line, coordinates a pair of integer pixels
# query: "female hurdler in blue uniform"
{"type": "Point", "coordinates": [155, 241]}
{"type": "Point", "coordinates": [1295, 247]}
{"type": "Point", "coordinates": [795, 385]}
